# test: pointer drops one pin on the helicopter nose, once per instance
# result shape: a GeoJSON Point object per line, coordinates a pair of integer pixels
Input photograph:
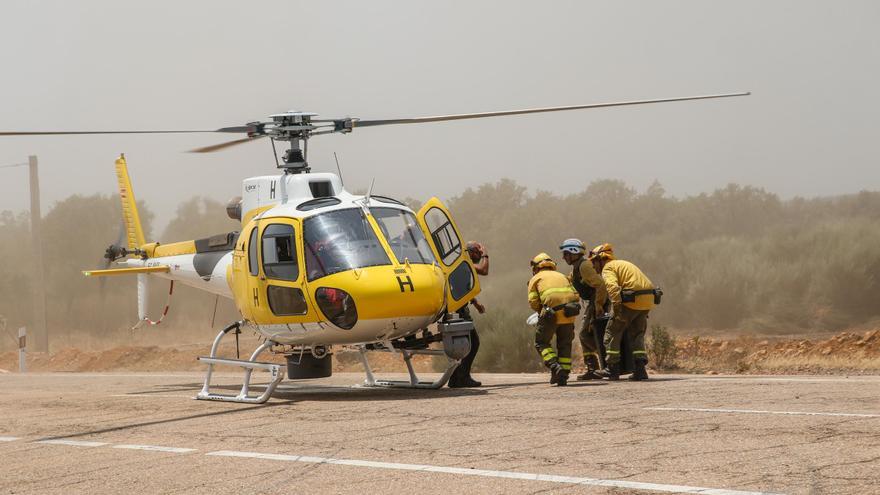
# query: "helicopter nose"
{"type": "Point", "coordinates": [388, 292]}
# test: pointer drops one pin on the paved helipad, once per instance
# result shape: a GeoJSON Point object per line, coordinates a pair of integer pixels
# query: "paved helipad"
{"type": "Point", "coordinates": [141, 432]}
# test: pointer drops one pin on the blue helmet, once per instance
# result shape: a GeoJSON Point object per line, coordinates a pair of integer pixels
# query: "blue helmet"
{"type": "Point", "coordinates": [573, 246]}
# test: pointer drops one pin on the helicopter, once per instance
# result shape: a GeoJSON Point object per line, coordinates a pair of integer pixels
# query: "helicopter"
{"type": "Point", "coordinates": [314, 266]}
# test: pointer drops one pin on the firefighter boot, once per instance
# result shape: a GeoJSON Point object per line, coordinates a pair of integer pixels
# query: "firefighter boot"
{"type": "Point", "coordinates": [563, 378]}
{"type": "Point", "coordinates": [611, 372]}
{"type": "Point", "coordinates": [639, 373]}
{"type": "Point", "coordinates": [592, 364]}
{"type": "Point", "coordinates": [555, 371]}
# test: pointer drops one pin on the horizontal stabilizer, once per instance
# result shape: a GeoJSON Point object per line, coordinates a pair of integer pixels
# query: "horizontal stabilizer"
{"type": "Point", "coordinates": [127, 271]}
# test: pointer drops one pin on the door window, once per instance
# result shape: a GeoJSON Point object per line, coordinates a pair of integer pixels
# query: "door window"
{"type": "Point", "coordinates": [461, 281]}
{"type": "Point", "coordinates": [286, 301]}
{"type": "Point", "coordinates": [443, 234]}
{"type": "Point", "coordinates": [252, 253]}
{"type": "Point", "coordinates": [279, 252]}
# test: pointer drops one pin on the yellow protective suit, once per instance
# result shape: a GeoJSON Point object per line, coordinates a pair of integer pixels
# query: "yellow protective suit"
{"type": "Point", "coordinates": [620, 275]}
{"type": "Point", "coordinates": [552, 289]}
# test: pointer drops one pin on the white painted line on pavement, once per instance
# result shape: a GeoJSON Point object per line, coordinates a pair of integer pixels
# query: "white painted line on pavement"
{"type": "Point", "coordinates": [163, 396]}
{"type": "Point", "coordinates": [77, 375]}
{"type": "Point", "coordinates": [754, 411]}
{"type": "Point", "coordinates": [156, 448]}
{"type": "Point", "coordinates": [741, 379]}
{"type": "Point", "coordinates": [634, 485]}
{"type": "Point", "coordinates": [9, 439]}
{"type": "Point", "coordinates": [75, 443]}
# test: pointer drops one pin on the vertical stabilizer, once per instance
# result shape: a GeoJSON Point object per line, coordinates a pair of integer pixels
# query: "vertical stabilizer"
{"type": "Point", "coordinates": [133, 231]}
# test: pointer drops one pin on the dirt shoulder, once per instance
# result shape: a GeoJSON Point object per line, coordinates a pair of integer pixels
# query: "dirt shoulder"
{"type": "Point", "coordinates": [847, 352]}
{"type": "Point", "coordinates": [844, 353]}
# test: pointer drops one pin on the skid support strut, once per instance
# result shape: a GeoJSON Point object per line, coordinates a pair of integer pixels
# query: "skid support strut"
{"type": "Point", "coordinates": [456, 345]}
{"type": "Point", "coordinates": [275, 371]}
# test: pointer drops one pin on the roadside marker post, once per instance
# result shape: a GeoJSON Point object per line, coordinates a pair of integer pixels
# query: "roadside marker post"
{"type": "Point", "coordinates": [22, 349]}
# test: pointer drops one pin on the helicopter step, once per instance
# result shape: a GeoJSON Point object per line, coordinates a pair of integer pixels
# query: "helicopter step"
{"type": "Point", "coordinates": [455, 336]}
{"type": "Point", "coordinates": [275, 370]}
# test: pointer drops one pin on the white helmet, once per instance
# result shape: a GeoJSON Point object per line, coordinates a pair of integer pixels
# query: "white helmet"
{"type": "Point", "coordinates": [573, 246]}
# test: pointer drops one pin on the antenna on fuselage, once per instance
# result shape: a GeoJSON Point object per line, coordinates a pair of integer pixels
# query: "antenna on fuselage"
{"type": "Point", "coordinates": [339, 169]}
{"type": "Point", "coordinates": [369, 192]}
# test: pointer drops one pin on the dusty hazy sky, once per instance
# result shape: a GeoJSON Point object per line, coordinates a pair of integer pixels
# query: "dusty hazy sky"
{"type": "Point", "coordinates": [809, 128]}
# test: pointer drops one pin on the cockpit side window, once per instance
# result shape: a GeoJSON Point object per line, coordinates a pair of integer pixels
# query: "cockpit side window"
{"type": "Point", "coordinates": [252, 253]}
{"type": "Point", "coordinates": [279, 252]}
{"type": "Point", "coordinates": [403, 235]}
{"type": "Point", "coordinates": [340, 240]}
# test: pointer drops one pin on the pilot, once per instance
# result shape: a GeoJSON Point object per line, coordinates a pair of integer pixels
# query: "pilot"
{"type": "Point", "coordinates": [461, 377]}
{"type": "Point", "coordinates": [590, 286]}
{"type": "Point", "coordinates": [632, 296]}
{"type": "Point", "coordinates": [551, 294]}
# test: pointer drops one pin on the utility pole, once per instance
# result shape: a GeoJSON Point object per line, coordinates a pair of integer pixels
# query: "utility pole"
{"type": "Point", "coordinates": [41, 332]}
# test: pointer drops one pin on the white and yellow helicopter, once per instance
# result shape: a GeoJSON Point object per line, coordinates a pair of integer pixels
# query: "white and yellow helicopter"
{"type": "Point", "coordinates": [315, 266]}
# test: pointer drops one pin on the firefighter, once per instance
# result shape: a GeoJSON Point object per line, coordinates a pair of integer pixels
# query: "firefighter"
{"type": "Point", "coordinates": [461, 377]}
{"type": "Point", "coordinates": [552, 295]}
{"type": "Point", "coordinates": [590, 286]}
{"type": "Point", "coordinates": [632, 296]}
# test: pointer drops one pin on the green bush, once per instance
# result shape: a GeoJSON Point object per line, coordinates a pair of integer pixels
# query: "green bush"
{"type": "Point", "coordinates": [661, 348]}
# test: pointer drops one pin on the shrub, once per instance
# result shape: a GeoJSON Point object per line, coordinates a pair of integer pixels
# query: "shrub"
{"type": "Point", "coordinates": [661, 347]}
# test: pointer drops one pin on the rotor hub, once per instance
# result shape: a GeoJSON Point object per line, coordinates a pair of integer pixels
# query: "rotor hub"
{"type": "Point", "coordinates": [294, 127]}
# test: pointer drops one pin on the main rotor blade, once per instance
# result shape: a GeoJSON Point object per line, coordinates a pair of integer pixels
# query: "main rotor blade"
{"type": "Point", "coordinates": [239, 128]}
{"type": "Point", "coordinates": [61, 133]}
{"type": "Point", "coordinates": [464, 116]}
{"type": "Point", "coordinates": [227, 144]}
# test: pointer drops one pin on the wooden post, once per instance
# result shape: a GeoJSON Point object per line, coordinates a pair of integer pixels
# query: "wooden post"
{"type": "Point", "coordinates": [22, 349]}
{"type": "Point", "coordinates": [40, 330]}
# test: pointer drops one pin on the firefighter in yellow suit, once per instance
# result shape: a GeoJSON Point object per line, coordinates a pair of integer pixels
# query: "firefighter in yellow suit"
{"type": "Point", "coordinates": [591, 287]}
{"type": "Point", "coordinates": [632, 296]}
{"type": "Point", "coordinates": [553, 297]}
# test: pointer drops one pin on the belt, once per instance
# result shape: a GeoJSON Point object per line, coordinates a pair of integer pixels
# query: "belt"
{"type": "Point", "coordinates": [642, 292]}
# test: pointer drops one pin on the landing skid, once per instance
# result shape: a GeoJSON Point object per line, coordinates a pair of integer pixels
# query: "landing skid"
{"type": "Point", "coordinates": [455, 334]}
{"type": "Point", "coordinates": [276, 372]}
{"type": "Point", "coordinates": [414, 381]}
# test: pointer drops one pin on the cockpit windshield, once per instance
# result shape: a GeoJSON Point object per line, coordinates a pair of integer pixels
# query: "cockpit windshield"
{"type": "Point", "coordinates": [340, 240]}
{"type": "Point", "coordinates": [403, 235]}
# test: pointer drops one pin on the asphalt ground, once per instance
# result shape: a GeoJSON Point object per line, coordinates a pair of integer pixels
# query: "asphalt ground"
{"type": "Point", "coordinates": [142, 432]}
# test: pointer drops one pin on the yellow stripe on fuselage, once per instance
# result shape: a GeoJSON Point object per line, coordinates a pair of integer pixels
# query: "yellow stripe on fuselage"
{"type": "Point", "coordinates": [126, 271]}
{"type": "Point", "coordinates": [249, 215]}
{"type": "Point", "coordinates": [175, 249]}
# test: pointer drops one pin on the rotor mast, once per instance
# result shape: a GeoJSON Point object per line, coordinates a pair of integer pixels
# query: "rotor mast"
{"type": "Point", "coordinates": [295, 128]}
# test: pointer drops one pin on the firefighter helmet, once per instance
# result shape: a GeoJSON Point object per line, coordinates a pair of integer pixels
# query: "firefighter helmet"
{"type": "Point", "coordinates": [573, 246]}
{"type": "Point", "coordinates": [603, 251]}
{"type": "Point", "coordinates": [543, 260]}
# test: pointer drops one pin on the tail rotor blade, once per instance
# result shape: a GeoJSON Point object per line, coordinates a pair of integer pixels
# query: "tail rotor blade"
{"type": "Point", "coordinates": [121, 236]}
{"type": "Point", "coordinates": [106, 261]}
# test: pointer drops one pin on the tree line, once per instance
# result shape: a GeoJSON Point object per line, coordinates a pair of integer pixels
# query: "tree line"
{"type": "Point", "coordinates": [737, 258]}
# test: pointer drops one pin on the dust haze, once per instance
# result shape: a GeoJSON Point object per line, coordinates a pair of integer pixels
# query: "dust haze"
{"type": "Point", "coordinates": [757, 215]}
